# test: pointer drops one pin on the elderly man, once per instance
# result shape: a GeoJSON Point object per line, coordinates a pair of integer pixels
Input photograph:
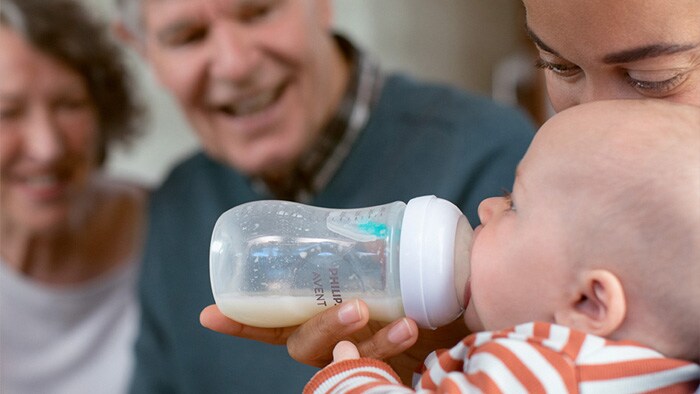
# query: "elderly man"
{"type": "Point", "coordinates": [285, 109]}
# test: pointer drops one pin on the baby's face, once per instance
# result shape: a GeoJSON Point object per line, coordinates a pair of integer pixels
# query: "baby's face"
{"type": "Point", "coordinates": [517, 258]}
{"type": "Point", "coordinates": [520, 261]}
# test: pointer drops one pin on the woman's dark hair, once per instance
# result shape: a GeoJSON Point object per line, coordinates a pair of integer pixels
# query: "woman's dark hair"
{"type": "Point", "coordinates": [66, 31]}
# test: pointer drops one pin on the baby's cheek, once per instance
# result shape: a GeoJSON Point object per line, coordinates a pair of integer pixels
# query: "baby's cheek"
{"type": "Point", "coordinates": [471, 318]}
{"type": "Point", "coordinates": [489, 294]}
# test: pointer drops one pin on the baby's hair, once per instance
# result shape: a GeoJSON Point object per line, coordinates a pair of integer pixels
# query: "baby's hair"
{"type": "Point", "coordinates": [642, 210]}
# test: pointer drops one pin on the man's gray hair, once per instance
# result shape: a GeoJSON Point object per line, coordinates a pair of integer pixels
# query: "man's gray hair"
{"type": "Point", "coordinates": [12, 17]}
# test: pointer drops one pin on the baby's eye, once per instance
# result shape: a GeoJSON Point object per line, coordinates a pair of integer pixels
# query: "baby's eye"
{"type": "Point", "coordinates": [560, 69]}
{"type": "Point", "coordinates": [657, 88]}
{"type": "Point", "coordinates": [508, 197]}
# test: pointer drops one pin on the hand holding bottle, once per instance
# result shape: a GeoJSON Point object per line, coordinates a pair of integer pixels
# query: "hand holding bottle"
{"type": "Point", "coordinates": [400, 343]}
{"type": "Point", "coordinates": [277, 263]}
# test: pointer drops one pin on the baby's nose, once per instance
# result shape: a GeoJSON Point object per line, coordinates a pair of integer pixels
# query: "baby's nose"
{"type": "Point", "coordinates": [487, 207]}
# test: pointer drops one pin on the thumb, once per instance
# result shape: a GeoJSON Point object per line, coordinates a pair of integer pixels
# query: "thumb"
{"type": "Point", "coordinates": [345, 350]}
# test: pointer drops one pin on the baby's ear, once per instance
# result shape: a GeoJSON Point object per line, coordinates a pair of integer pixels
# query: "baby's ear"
{"type": "Point", "coordinates": [599, 306]}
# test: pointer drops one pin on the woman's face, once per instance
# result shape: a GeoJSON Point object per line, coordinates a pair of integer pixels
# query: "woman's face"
{"type": "Point", "coordinates": [48, 137]}
{"type": "Point", "coordinates": [601, 49]}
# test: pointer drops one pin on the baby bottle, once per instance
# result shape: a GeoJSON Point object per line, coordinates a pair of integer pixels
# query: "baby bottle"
{"type": "Point", "coordinates": [277, 263]}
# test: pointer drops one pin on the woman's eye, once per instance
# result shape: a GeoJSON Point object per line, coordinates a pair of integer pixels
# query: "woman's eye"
{"type": "Point", "coordinates": [657, 88]}
{"type": "Point", "coordinates": [72, 104]}
{"type": "Point", "coordinates": [9, 113]}
{"type": "Point", "coordinates": [562, 70]}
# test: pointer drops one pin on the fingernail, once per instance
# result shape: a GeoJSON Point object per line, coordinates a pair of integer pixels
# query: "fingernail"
{"type": "Point", "coordinates": [400, 333]}
{"type": "Point", "coordinates": [349, 313]}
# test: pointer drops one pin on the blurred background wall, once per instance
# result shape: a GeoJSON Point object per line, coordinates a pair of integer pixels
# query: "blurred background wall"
{"type": "Point", "coordinates": [460, 42]}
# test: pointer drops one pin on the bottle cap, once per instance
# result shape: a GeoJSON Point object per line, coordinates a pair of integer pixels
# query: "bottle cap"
{"type": "Point", "coordinates": [426, 261]}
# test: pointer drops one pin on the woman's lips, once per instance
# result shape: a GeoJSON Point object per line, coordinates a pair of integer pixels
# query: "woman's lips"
{"type": "Point", "coordinates": [42, 187]}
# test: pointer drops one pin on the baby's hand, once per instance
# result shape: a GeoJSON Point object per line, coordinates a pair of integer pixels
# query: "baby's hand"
{"type": "Point", "coordinates": [345, 350]}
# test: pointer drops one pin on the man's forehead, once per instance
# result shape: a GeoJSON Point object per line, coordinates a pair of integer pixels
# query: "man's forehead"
{"type": "Point", "coordinates": [166, 1]}
{"type": "Point", "coordinates": [159, 6]}
{"type": "Point", "coordinates": [212, 2]}
{"type": "Point", "coordinates": [158, 13]}
{"type": "Point", "coordinates": [169, 2]}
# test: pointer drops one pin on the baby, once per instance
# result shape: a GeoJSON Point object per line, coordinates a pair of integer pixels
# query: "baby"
{"type": "Point", "coordinates": [587, 277]}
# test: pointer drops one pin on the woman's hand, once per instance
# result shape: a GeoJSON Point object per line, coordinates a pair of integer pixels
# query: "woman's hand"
{"type": "Point", "coordinates": [313, 342]}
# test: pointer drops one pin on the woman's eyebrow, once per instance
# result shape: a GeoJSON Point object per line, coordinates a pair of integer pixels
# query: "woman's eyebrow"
{"type": "Point", "coordinates": [538, 41]}
{"type": "Point", "coordinates": [627, 55]}
{"type": "Point", "coordinates": [646, 52]}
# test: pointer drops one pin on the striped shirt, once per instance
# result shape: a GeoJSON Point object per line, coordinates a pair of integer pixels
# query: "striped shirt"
{"type": "Point", "coordinates": [530, 358]}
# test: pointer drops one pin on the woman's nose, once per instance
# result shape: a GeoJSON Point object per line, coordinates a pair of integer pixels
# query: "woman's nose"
{"type": "Point", "coordinates": [43, 141]}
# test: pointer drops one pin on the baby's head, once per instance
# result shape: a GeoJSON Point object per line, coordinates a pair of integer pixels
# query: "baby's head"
{"type": "Point", "coordinates": [602, 230]}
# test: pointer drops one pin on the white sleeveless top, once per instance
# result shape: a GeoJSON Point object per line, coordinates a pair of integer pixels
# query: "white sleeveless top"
{"type": "Point", "coordinates": [67, 340]}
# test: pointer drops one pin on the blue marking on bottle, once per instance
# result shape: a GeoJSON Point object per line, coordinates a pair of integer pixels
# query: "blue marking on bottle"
{"type": "Point", "coordinates": [373, 228]}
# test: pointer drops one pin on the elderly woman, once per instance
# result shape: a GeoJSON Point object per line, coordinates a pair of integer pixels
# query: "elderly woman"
{"type": "Point", "coordinates": [70, 237]}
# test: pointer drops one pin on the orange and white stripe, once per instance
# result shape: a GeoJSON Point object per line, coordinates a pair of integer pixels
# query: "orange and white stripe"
{"type": "Point", "coordinates": [531, 358]}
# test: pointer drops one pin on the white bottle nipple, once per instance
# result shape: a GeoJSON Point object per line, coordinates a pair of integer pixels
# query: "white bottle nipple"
{"type": "Point", "coordinates": [427, 260]}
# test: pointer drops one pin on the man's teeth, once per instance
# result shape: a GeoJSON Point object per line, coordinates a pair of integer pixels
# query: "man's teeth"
{"type": "Point", "coordinates": [42, 181]}
{"type": "Point", "coordinates": [251, 105]}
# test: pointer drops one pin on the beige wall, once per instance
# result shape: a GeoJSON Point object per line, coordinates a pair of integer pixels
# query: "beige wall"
{"type": "Point", "coordinates": [452, 41]}
{"type": "Point", "coordinates": [456, 41]}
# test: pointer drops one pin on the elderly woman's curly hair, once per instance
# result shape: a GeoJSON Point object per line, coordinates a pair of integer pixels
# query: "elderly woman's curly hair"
{"type": "Point", "coordinates": [67, 32]}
